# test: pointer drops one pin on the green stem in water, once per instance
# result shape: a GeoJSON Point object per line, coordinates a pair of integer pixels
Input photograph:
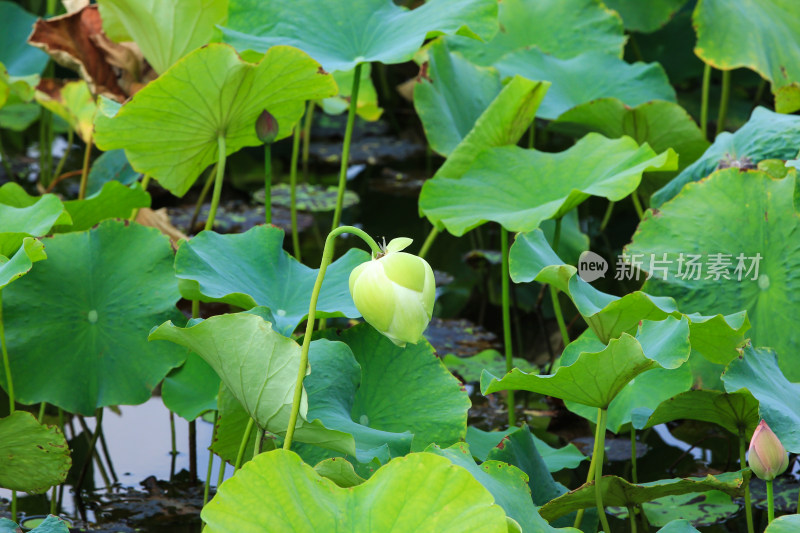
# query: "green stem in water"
{"type": "Point", "coordinates": [207, 483]}
{"type": "Point", "coordinates": [307, 122]}
{"type": "Point", "coordinates": [562, 325]}
{"type": "Point", "coordinates": [748, 510]}
{"type": "Point", "coordinates": [704, 100]}
{"type": "Point", "coordinates": [607, 216]}
{"type": "Point", "coordinates": [637, 204]}
{"type": "Point", "coordinates": [632, 518]}
{"type": "Point", "coordinates": [426, 246]}
{"type": "Point", "coordinates": [602, 419]}
{"type": "Point", "coordinates": [506, 302]}
{"type": "Point", "coordinates": [202, 197]}
{"type": "Point", "coordinates": [63, 160]}
{"type": "Point", "coordinates": [259, 439]}
{"type": "Point", "coordinates": [145, 183]}
{"type": "Point", "coordinates": [293, 194]}
{"type": "Point", "coordinates": [87, 155]}
{"type": "Point", "coordinates": [770, 503]}
{"type": "Point", "coordinates": [6, 362]}
{"type": "Point", "coordinates": [589, 477]}
{"type": "Point", "coordinates": [532, 136]}
{"type": "Point", "coordinates": [634, 476]}
{"type": "Point", "coordinates": [327, 256]}
{"type": "Point", "coordinates": [212, 213]}
{"type": "Point", "coordinates": [723, 101]}
{"type": "Point", "coordinates": [348, 135]}
{"type": "Point", "coordinates": [246, 437]}
{"type": "Point", "coordinates": [44, 168]}
{"type": "Point", "coordinates": [268, 183]}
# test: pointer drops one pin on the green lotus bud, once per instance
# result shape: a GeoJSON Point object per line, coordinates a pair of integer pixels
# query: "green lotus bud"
{"type": "Point", "coordinates": [395, 292]}
{"type": "Point", "coordinates": [266, 127]}
{"type": "Point", "coordinates": [768, 458]}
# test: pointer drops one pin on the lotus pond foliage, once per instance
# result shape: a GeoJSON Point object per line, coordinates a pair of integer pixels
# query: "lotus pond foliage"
{"type": "Point", "coordinates": [605, 190]}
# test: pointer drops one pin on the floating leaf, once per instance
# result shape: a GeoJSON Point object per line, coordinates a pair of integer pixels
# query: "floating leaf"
{"type": "Point", "coordinates": [543, 24]}
{"type": "Point", "coordinates": [678, 526]}
{"type": "Point", "coordinates": [110, 166]}
{"type": "Point", "coordinates": [706, 509]}
{"type": "Point", "coordinates": [633, 84]}
{"type": "Point", "coordinates": [71, 101]}
{"type": "Point", "coordinates": [773, 52]}
{"type": "Point", "coordinates": [165, 31]}
{"type": "Point", "coordinates": [752, 264]}
{"type": "Point", "coordinates": [453, 97]}
{"type": "Point", "coordinates": [368, 30]}
{"type": "Point", "coordinates": [23, 216]}
{"type": "Point", "coordinates": [421, 492]}
{"type": "Point", "coordinates": [737, 412]}
{"type": "Point", "coordinates": [259, 366]}
{"type": "Point", "coordinates": [114, 200]}
{"type": "Point", "coordinates": [779, 399]}
{"type": "Point", "coordinates": [21, 262]}
{"type": "Point", "coordinates": [520, 188]}
{"type": "Point", "coordinates": [33, 457]}
{"type": "Point", "coordinates": [767, 135]}
{"type": "Point", "coordinates": [308, 197]}
{"type": "Point", "coordinates": [252, 268]}
{"type": "Point", "coordinates": [595, 379]}
{"type": "Point", "coordinates": [51, 524]}
{"type": "Point", "coordinates": [645, 17]}
{"type": "Point", "coordinates": [620, 493]}
{"type": "Point", "coordinates": [207, 92]}
{"type": "Point", "coordinates": [87, 309]}
{"type": "Point", "coordinates": [20, 58]}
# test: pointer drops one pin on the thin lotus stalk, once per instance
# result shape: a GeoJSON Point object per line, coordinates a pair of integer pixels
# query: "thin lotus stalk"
{"type": "Point", "coordinates": [44, 168]}
{"type": "Point", "coordinates": [724, 99]}
{"type": "Point", "coordinates": [637, 205]}
{"type": "Point", "coordinates": [293, 195]}
{"type": "Point", "coordinates": [632, 518]}
{"type": "Point", "coordinates": [259, 439]}
{"type": "Point", "coordinates": [221, 477]}
{"type": "Point", "coordinates": [704, 100]}
{"type": "Point", "coordinates": [589, 477]}
{"type": "Point", "coordinates": [506, 303]}
{"type": "Point", "coordinates": [65, 156]}
{"type": "Point", "coordinates": [607, 216]}
{"type": "Point", "coordinates": [6, 361]}
{"type": "Point", "coordinates": [307, 123]}
{"type": "Point", "coordinates": [203, 194]}
{"type": "Point", "coordinates": [602, 419]}
{"type": "Point", "coordinates": [104, 449]}
{"type": "Point", "coordinates": [327, 256]}
{"type": "Point", "coordinates": [193, 450]}
{"type": "Point", "coordinates": [562, 325]}
{"type": "Point", "coordinates": [87, 156]}
{"type": "Point", "coordinates": [245, 437]}
{"type": "Point", "coordinates": [748, 510]}
{"type": "Point", "coordinates": [96, 456]}
{"type": "Point", "coordinates": [92, 447]}
{"type": "Point", "coordinates": [634, 475]}
{"type": "Point", "coordinates": [207, 482]}
{"type": "Point", "coordinates": [348, 135]}
{"type": "Point", "coordinates": [145, 183]}
{"type": "Point", "coordinates": [770, 502]}
{"type": "Point", "coordinates": [42, 407]}
{"type": "Point", "coordinates": [212, 212]}
{"type": "Point", "coordinates": [426, 246]}
{"type": "Point", "coordinates": [268, 183]}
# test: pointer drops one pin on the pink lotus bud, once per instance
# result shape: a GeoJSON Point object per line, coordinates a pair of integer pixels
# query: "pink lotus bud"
{"type": "Point", "coordinates": [768, 458]}
{"type": "Point", "coordinates": [266, 127]}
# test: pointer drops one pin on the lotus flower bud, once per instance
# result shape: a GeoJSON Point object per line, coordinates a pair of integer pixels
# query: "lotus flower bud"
{"type": "Point", "coordinates": [768, 458]}
{"type": "Point", "coordinates": [266, 127]}
{"type": "Point", "coordinates": [395, 292]}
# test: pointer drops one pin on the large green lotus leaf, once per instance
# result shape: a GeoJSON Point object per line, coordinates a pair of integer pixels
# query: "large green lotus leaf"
{"type": "Point", "coordinates": [633, 84]}
{"type": "Point", "coordinates": [660, 124]}
{"type": "Point", "coordinates": [343, 35]}
{"type": "Point", "coordinates": [31, 251]}
{"type": "Point", "coordinates": [87, 311]}
{"type": "Point", "coordinates": [18, 116]}
{"type": "Point", "coordinates": [767, 135]}
{"type": "Point", "coordinates": [24, 216]}
{"type": "Point", "coordinates": [252, 268]}
{"type": "Point", "coordinates": [772, 24]}
{"type": "Point", "coordinates": [706, 509]}
{"type": "Point", "coordinates": [784, 524]}
{"type": "Point", "coordinates": [502, 123]}
{"type": "Point", "coordinates": [764, 225]}
{"type": "Point", "coordinates": [453, 96]}
{"type": "Point", "coordinates": [110, 166]}
{"type": "Point", "coordinates": [51, 524]}
{"type": "Point", "coordinates": [520, 188]}
{"type": "Point", "coordinates": [645, 17]}
{"type": "Point", "coordinates": [779, 399]}
{"type": "Point", "coordinates": [646, 391]}
{"type": "Point", "coordinates": [114, 200]}
{"type": "Point", "coordinates": [543, 23]}
{"type": "Point", "coordinates": [596, 378]}
{"type": "Point", "coordinates": [164, 31]}
{"type": "Point", "coordinates": [482, 442]}
{"type": "Point", "coordinates": [737, 412]}
{"type": "Point", "coordinates": [398, 386]}
{"type": "Point", "coordinates": [421, 492]}
{"type": "Point", "coordinates": [33, 457]}
{"type": "Point", "coordinates": [19, 58]}
{"type": "Point", "coordinates": [169, 129]}
{"type": "Point", "coordinates": [507, 483]}
{"type": "Point", "coordinates": [259, 366]}
{"type": "Point", "coordinates": [620, 493]}
{"type": "Point", "coordinates": [192, 389]}
{"type": "Point", "coordinates": [678, 526]}
{"type": "Point", "coordinates": [74, 103]}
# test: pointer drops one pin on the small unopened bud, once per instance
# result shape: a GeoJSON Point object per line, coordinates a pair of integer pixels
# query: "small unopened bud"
{"type": "Point", "coordinates": [768, 458]}
{"type": "Point", "coordinates": [266, 127]}
{"type": "Point", "coordinates": [395, 293]}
